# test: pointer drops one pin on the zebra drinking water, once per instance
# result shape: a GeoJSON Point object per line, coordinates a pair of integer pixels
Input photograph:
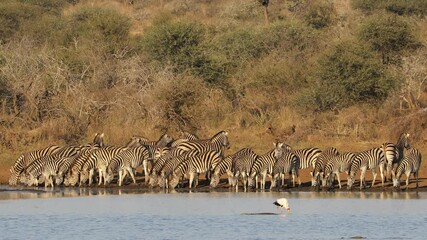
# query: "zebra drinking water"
{"type": "Point", "coordinates": [411, 163]}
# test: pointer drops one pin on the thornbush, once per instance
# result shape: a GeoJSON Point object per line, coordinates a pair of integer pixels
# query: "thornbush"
{"type": "Point", "coordinates": [387, 34]}
{"type": "Point", "coordinates": [350, 74]}
{"type": "Point", "coordinates": [401, 7]}
{"type": "Point", "coordinates": [320, 14]}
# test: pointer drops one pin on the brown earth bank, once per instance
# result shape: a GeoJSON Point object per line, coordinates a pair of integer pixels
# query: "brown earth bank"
{"type": "Point", "coordinates": [141, 187]}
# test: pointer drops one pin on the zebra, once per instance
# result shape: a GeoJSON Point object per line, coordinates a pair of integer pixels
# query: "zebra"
{"type": "Point", "coordinates": [367, 160]}
{"type": "Point", "coordinates": [306, 156]}
{"type": "Point", "coordinates": [158, 165]}
{"type": "Point", "coordinates": [194, 165]}
{"type": "Point", "coordinates": [394, 152]}
{"type": "Point", "coordinates": [100, 159]}
{"type": "Point", "coordinates": [225, 167]}
{"type": "Point", "coordinates": [186, 136]}
{"type": "Point", "coordinates": [324, 157]}
{"type": "Point", "coordinates": [27, 158]}
{"type": "Point", "coordinates": [46, 166]}
{"type": "Point", "coordinates": [218, 142]}
{"type": "Point", "coordinates": [241, 166]}
{"type": "Point", "coordinates": [126, 162]}
{"type": "Point", "coordinates": [263, 165]}
{"type": "Point", "coordinates": [411, 163]}
{"type": "Point", "coordinates": [287, 163]}
{"type": "Point", "coordinates": [337, 165]}
{"type": "Point", "coordinates": [170, 165]}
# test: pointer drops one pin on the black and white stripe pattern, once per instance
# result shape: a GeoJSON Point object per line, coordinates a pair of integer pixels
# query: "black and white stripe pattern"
{"type": "Point", "coordinates": [47, 166]}
{"type": "Point", "coordinates": [158, 165]}
{"type": "Point", "coordinates": [170, 166]}
{"type": "Point", "coordinates": [394, 152]}
{"type": "Point", "coordinates": [307, 156]}
{"type": "Point", "coordinates": [195, 165]}
{"type": "Point", "coordinates": [218, 142]}
{"type": "Point", "coordinates": [26, 159]}
{"type": "Point", "coordinates": [409, 164]}
{"type": "Point", "coordinates": [263, 165]}
{"type": "Point", "coordinates": [317, 174]}
{"type": "Point", "coordinates": [337, 165]}
{"type": "Point", "coordinates": [241, 167]}
{"type": "Point", "coordinates": [367, 160]}
{"type": "Point", "coordinates": [288, 163]}
{"type": "Point", "coordinates": [126, 162]}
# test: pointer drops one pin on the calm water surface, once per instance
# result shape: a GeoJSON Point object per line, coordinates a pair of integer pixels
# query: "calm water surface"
{"type": "Point", "coordinates": [100, 215]}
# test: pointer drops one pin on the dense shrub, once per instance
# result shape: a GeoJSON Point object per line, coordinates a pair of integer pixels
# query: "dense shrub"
{"type": "Point", "coordinates": [350, 74]}
{"type": "Point", "coordinates": [12, 15]}
{"type": "Point", "coordinates": [104, 26]}
{"type": "Point", "coordinates": [387, 34]}
{"type": "Point", "coordinates": [320, 14]}
{"type": "Point", "coordinates": [401, 7]}
{"type": "Point", "coordinates": [48, 6]}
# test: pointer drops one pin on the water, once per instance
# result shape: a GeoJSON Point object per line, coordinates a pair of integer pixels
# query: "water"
{"type": "Point", "coordinates": [115, 215]}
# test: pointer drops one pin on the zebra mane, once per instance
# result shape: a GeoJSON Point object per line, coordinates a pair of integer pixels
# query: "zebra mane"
{"type": "Point", "coordinates": [225, 133]}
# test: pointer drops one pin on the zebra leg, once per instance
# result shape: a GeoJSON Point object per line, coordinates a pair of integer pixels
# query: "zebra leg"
{"type": "Point", "coordinates": [407, 180]}
{"type": "Point", "coordinates": [382, 171]}
{"type": "Point", "coordinates": [362, 178]}
{"type": "Point", "coordinates": [145, 165]}
{"type": "Point", "coordinates": [191, 180]}
{"type": "Point", "coordinates": [120, 177]}
{"type": "Point", "coordinates": [130, 171]}
{"type": "Point", "coordinates": [416, 179]}
{"type": "Point", "coordinates": [339, 180]}
{"type": "Point", "coordinates": [91, 176]}
{"type": "Point", "coordinates": [374, 176]}
{"type": "Point", "coordinates": [256, 181]}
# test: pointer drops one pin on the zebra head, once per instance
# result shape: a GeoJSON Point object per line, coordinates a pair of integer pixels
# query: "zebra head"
{"type": "Point", "coordinates": [165, 140]}
{"type": "Point", "coordinates": [214, 180]}
{"type": "Point", "coordinates": [403, 141]}
{"type": "Point", "coordinates": [84, 177]}
{"type": "Point", "coordinates": [251, 180]}
{"type": "Point", "coordinates": [153, 180]}
{"type": "Point", "coordinates": [278, 150]}
{"type": "Point", "coordinates": [326, 179]}
{"type": "Point", "coordinates": [221, 138]}
{"type": "Point", "coordinates": [396, 179]}
{"type": "Point", "coordinates": [59, 179]}
{"type": "Point", "coordinates": [274, 179]}
{"type": "Point", "coordinates": [109, 176]}
{"type": "Point", "coordinates": [13, 179]}
{"type": "Point", "coordinates": [174, 181]}
{"type": "Point", "coordinates": [71, 179]}
{"type": "Point", "coordinates": [350, 180]}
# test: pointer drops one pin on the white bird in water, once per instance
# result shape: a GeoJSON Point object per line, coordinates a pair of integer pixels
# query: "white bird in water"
{"type": "Point", "coordinates": [283, 203]}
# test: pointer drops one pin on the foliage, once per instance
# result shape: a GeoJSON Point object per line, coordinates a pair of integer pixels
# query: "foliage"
{"type": "Point", "coordinates": [400, 7]}
{"type": "Point", "coordinates": [387, 34]}
{"type": "Point", "coordinates": [12, 15]}
{"type": "Point", "coordinates": [320, 14]}
{"type": "Point", "coordinates": [100, 25]}
{"type": "Point", "coordinates": [350, 74]}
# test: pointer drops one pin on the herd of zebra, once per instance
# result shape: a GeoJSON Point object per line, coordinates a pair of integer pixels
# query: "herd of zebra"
{"type": "Point", "coordinates": [167, 162]}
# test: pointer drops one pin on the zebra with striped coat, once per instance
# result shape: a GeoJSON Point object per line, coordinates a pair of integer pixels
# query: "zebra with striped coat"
{"type": "Point", "coordinates": [158, 165]}
{"type": "Point", "coordinates": [394, 152]}
{"type": "Point", "coordinates": [287, 163]}
{"type": "Point", "coordinates": [317, 175]}
{"type": "Point", "coordinates": [218, 142]}
{"type": "Point", "coordinates": [126, 162]}
{"type": "Point", "coordinates": [26, 159]}
{"type": "Point", "coordinates": [45, 167]}
{"type": "Point", "coordinates": [225, 166]}
{"type": "Point", "coordinates": [242, 166]}
{"type": "Point", "coordinates": [170, 166]}
{"type": "Point", "coordinates": [195, 165]}
{"type": "Point", "coordinates": [337, 165]}
{"type": "Point", "coordinates": [367, 160]}
{"type": "Point", "coordinates": [263, 165]}
{"type": "Point", "coordinates": [306, 156]}
{"type": "Point", "coordinates": [411, 163]}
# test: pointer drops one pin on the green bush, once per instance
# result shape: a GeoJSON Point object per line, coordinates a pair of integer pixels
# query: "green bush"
{"type": "Point", "coordinates": [12, 15]}
{"type": "Point", "coordinates": [100, 25]}
{"type": "Point", "coordinates": [401, 7]}
{"type": "Point", "coordinates": [51, 6]}
{"type": "Point", "coordinates": [387, 34]}
{"type": "Point", "coordinates": [348, 75]}
{"type": "Point", "coordinates": [320, 14]}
